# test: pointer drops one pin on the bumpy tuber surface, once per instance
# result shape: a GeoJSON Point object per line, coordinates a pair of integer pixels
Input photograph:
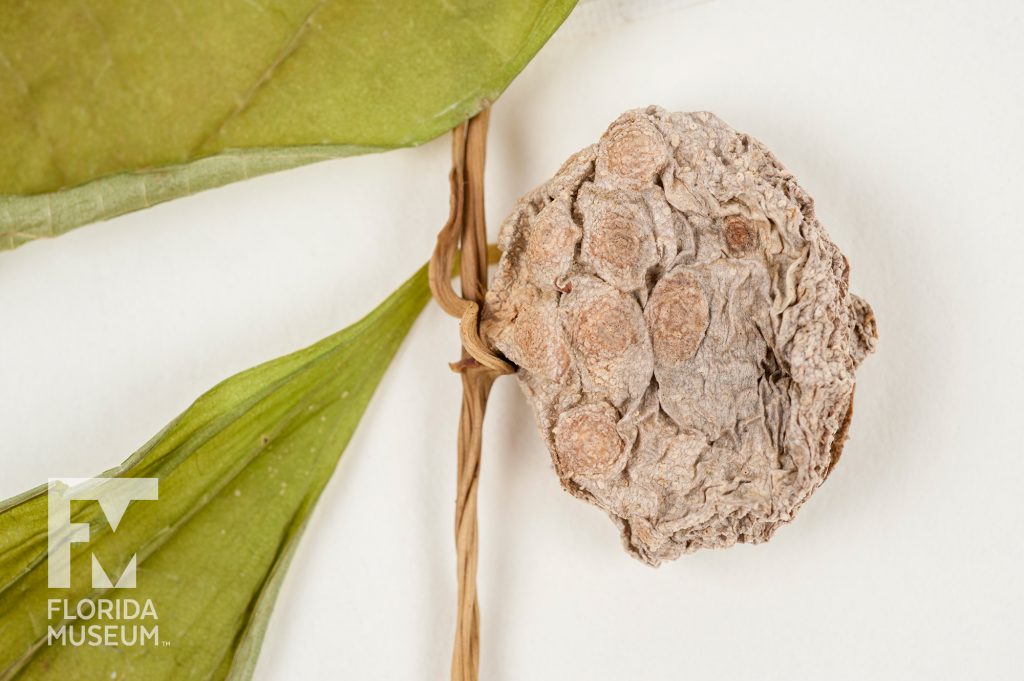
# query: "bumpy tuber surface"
{"type": "Point", "coordinates": [684, 331]}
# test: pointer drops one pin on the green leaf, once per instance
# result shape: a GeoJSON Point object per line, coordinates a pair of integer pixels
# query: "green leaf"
{"type": "Point", "coordinates": [239, 473]}
{"type": "Point", "coordinates": [108, 106]}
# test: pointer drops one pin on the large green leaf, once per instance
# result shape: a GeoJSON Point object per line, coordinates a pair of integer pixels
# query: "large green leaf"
{"type": "Point", "coordinates": [108, 106]}
{"type": "Point", "coordinates": [239, 473]}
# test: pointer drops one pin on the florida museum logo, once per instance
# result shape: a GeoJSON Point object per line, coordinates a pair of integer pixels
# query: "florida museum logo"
{"type": "Point", "coordinates": [105, 620]}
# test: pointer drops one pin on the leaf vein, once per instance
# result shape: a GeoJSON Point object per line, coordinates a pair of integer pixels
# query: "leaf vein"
{"type": "Point", "coordinates": [289, 49]}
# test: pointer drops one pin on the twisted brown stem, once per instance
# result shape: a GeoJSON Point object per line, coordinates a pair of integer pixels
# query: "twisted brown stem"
{"type": "Point", "coordinates": [465, 234]}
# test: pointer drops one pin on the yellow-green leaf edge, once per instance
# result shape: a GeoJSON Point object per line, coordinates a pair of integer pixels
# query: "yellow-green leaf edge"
{"type": "Point", "coordinates": [112, 106]}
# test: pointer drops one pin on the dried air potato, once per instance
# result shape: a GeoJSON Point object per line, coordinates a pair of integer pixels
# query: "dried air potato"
{"type": "Point", "coordinates": [683, 330]}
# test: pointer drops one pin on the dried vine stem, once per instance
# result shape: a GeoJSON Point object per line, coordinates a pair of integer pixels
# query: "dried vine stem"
{"type": "Point", "coordinates": [465, 235]}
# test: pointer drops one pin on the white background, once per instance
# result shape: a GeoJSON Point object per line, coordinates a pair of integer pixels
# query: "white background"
{"type": "Point", "coordinates": [902, 119]}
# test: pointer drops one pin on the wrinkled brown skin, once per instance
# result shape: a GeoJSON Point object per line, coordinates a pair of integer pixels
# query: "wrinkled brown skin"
{"type": "Point", "coordinates": [684, 331]}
